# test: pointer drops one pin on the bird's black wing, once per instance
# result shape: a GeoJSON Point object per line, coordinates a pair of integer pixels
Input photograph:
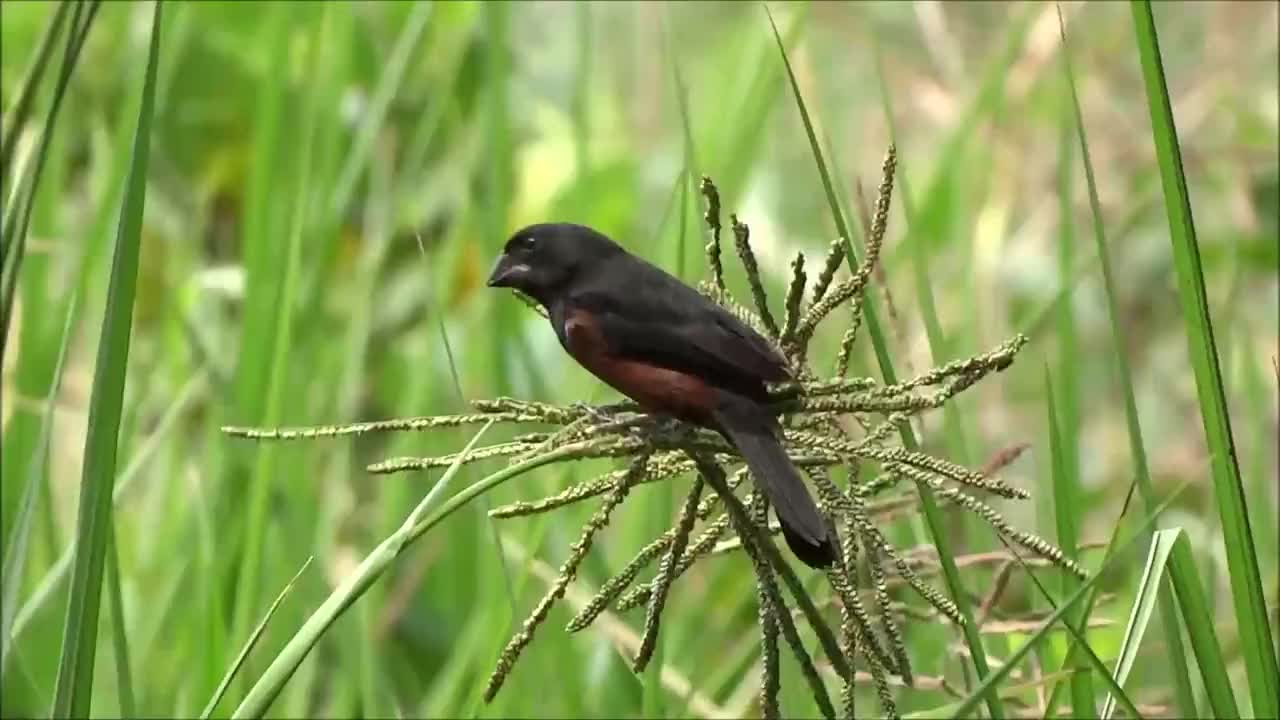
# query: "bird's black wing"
{"type": "Point", "coordinates": [646, 314]}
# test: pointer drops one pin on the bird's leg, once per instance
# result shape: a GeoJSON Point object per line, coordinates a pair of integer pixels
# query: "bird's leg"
{"type": "Point", "coordinates": [599, 415]}
{"type": "Point", "coordinates": [668, 427]}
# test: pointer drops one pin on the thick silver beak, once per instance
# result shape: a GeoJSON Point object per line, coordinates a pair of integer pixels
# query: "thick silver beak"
{"type": "Point", "coordinates": [507, 272]}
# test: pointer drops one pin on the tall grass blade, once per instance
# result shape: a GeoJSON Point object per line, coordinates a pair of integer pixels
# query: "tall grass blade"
{"type": "Point", "coordinates": [250, 643]}
{"type": "Point", "coordinates": [1112, 556]}
{"type": "Point", "coordinates": [1144, 604]}
{"type": "Point", "coordinates": [1080, 642]}
{"type": "Point", "coordinates": [1198, 619]}
{"type": "Point", "coordinates": [119, 632]}
{"type": "Point", "coordinates": [1137, 446]}
{"type": "Point", "coordinates": [72, 694]}
{"type": "Point", "coordinates": [285, 280]}
{"type": "Point", "coordinates": [15, 557]}
{"type": "Point", "coordinates": [1242, 560]}
{"type": "Point", "coordinates": [15, 117]}
{"type": "Point", "coordinates": [269, 685]}
{"type": "Point", "coordinates": [927, 504]}
{"type": "Point", "coordinates": [372, 118]}
{"type": "Point", "coordinates": [1066, 503]}
{"type": "Point", "coordinates": [53, 578]}
{"type": "Point", "coordinates": [17, 219]}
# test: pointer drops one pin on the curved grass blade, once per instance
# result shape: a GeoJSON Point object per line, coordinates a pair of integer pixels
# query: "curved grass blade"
{"type": "Point", "coordinates": [16, 117]}
{"type": "Point", "coordinates": [1066, 503]}
{"type": "Point", "coordinates": [927, 504]}
{"type": "Point", "coordinates": [16, 548]}
{"type": "Point", "coordinates": [965, 708]}
{"type": "Point", "coordinates": [53, 578]}
{"type": "Point", "coordinates": [79, 641]}
{"type": "Point", "coordinates": [1198, 620]}
{"type": "Point", "coordinates": [282, 275]}
{"type": "Point", "coordinates": [1137, 447]}
{"type": "Point", "coordinates": [119, 634]}
{"type": "Point", "coordinates": [1080, 642]}
{"type": "Point", "coordinates": [17, 218]}
{"type": "Point", "coordinates": [248, 645]}
{"type": "Point", "coordinates": [1143, 606]}
{"type": "Point", "coordinates": [373, 118]}
{"type": "Point", "coordinates": [1242, 560]}
{"type": "Point", "coordinates": [269, 685]}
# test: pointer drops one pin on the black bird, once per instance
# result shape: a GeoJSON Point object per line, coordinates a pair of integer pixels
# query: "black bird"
{"type": "Point", "coordinates": [669, 348]}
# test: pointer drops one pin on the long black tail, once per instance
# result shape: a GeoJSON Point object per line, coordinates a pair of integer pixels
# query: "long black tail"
{"type": "Point", "coordinates": [756, 435]}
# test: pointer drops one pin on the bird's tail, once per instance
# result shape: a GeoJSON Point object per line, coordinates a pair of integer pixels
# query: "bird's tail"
{"type": "Point", "coordinates": [755, 433]}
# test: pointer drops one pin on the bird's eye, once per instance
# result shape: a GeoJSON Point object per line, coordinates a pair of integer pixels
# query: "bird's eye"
{"type": "Point", "coordinates": [527, 242]}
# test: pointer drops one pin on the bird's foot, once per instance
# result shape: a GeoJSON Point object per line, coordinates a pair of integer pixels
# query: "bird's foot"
{"type": "Point", "coordinates": [667, 427]}
{"type": "Point", "coordinates": [596, 414]}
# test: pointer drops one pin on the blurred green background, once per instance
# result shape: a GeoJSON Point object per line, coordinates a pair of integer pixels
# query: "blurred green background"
{"type": "Point", "coordinates": [329, 183]}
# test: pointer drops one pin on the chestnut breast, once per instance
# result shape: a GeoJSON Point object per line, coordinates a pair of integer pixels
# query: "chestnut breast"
{"type": "Point", "coordinates": [656, 389]}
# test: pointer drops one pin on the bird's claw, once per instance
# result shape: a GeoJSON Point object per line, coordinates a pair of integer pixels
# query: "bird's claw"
{"type": "Point", "coordinates": [591, 411]}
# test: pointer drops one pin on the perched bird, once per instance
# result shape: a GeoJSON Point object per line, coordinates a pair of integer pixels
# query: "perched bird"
{"type": "Point", "coordinates": [669, 348]}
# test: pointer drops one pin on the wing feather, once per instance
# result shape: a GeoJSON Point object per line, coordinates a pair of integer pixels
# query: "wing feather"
{"type": "Point", "coordinates": [656, 318]}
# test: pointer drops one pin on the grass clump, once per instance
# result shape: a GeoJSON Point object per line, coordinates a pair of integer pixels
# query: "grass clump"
{"type": "Point", "coordinates": [833, 423]}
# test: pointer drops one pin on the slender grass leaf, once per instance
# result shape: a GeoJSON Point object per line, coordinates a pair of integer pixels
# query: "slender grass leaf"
{"type": "Point", "coordinates": [1143, 606]}
{"type": "Point", "coordinates": [17, 219]}
{"type": "Point", "coordinates": [1080, 642]}
{"type": "Point", "coordinates": [15, 117]}
{"type": "Point", "coordinates": [280, 342]}
{"type": "Point", "coordinates": [1066, 503]}
{"type": "Point", "coordinates": [269, 685]}
{"type": "Point", "coordinates": [1242, 560]}
{"type": "Point", "coordinates": [1199, 622]}
{"type": "Point", "coordinates": [1112, 556]}
{"type": "Point", "coordinates": [1137, 447]}
{"type": "Point", "coordinates": [15, 557]}
{"type": "Point", "coordinates": [119, 632]}
{"type": "Point", "coordinates": [57, 573]}
{"type": "Point", "coordinates": [72, 695]}
{"type": "Point", "coordinates": [373, 117]}
{"type": "Point", "coordinates": [928, 505]}
{"type": "Point", "coordinates": [250, 643]}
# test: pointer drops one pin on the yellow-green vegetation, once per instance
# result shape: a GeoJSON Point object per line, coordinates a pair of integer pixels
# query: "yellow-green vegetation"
{"type": "Point", "coordinates": [279, 215]}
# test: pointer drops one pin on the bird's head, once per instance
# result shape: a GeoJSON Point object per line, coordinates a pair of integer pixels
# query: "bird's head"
{"type": "Point", "coordinates": [542, 260]}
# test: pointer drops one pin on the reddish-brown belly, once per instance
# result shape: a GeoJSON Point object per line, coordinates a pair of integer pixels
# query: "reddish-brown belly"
{"type": "Point", "coordinates": [657, 389]}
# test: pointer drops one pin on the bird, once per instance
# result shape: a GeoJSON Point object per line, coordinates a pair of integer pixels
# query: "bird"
{"type": "Point", "coordinates": [672, 350]}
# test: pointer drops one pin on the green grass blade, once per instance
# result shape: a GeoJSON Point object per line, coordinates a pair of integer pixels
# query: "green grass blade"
{"type": "Point", "coordinates": [1066, 503]}
{"type": "Point", "coordinates": [1144, 604]}
{"type": "Point", "coordinates": [119, 632]}
{"type": "Point", "coordinates": [690, 176]}
{"type": "Point", "coordinates": [15, 557]}
{"type": "Point", "coordinates": [372, 119]}
{"type": "Point", "coordinates": [250, 643]}
{"type": "Point", "coordinates": [17, 218]}
{"type": "Point", "coordinates": [498, 169]}
{"type": "Point", "coordinates": [287, 279]}
{"type": "Point", "coordinates": [1242, 561]}
{"type": "Point", "coordinates": [581, 107]}
{"type": "Point", "coordinates": [1137, 446]}
{"type": "Point", "coordinates": [1198, 620]}
{"type": "Point", "coordinates": [1080, 643]}
{"type": "Point", "coordinates": [927, 503]}
{"type": "Point", "coordinates": [15, 117]}
{"type": "Point", "coordinates": [1113, 554]}
{"type": "Point", "coordinates": [374, 565]}
{"type": "Point", "coordinates": [508, 585]}
{"type": "Point", "coordinates": [72, 695]}
{"type": "Point", "coordinates": [57, 573]}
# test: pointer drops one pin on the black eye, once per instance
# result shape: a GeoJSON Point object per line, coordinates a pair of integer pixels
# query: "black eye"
{"type": "Point", "coordinates": [527, 242]}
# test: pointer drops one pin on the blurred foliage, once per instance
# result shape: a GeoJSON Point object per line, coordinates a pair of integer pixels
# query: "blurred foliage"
{"type": "Point", "coordinates": [504, 114]}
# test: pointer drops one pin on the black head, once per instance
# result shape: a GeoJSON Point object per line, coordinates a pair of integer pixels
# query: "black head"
{"type": "Point", "coordinates": [542, 260]}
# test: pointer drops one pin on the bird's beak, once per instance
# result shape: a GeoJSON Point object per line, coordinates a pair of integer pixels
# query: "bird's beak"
{"type": "Point", "coordinates": [507, 272]}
